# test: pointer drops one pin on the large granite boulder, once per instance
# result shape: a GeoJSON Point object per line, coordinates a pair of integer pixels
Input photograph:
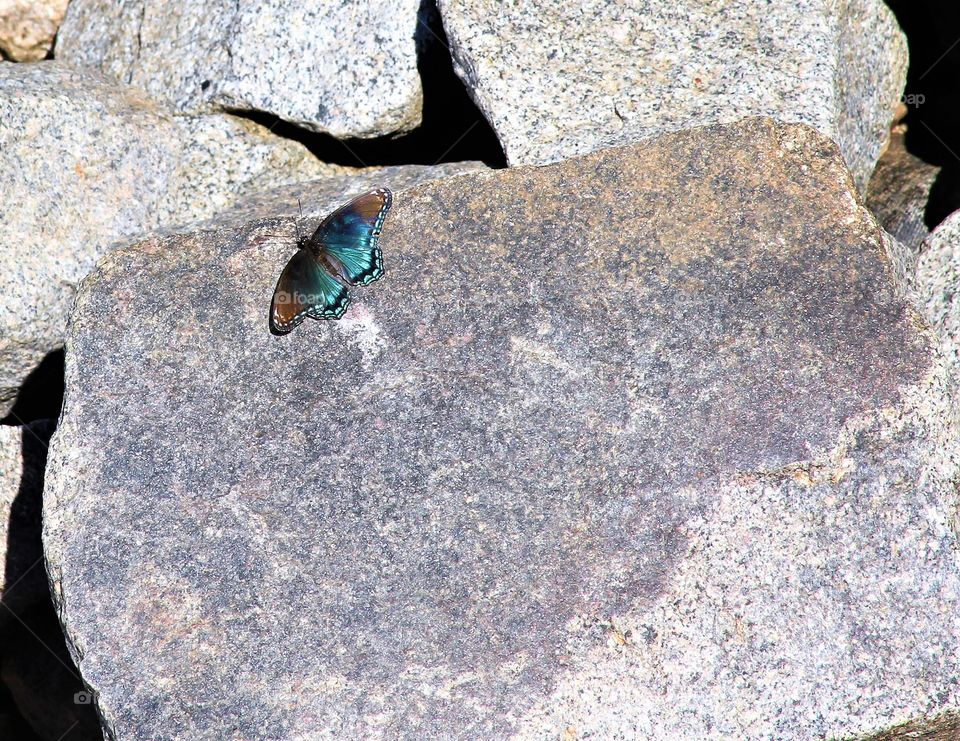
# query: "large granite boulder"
{"type": "Point", "coordinates": [556, 79]}
{"type": "Point", "coordinates": [649, 443]}
{"type": "Point", "coordinates": [348, 68]}
{"type": "Point", "coordinates": [87, 162]}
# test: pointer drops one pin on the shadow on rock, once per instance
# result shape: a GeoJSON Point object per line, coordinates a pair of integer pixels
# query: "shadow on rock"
{"type": "Point", "coordinates": [38, 675]}
{"type": "Point", "coordinates": [41, 394]}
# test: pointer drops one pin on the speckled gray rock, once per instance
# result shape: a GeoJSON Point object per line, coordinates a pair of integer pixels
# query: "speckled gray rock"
{"type": "Point", "coordinates": [86, 162]}
{"type": "Point", "coordinates": [899, 190]}
{"type": "Point", "coordinates": [937, 282]}
{"type": "Point", "coordinates": [654, 424]}
{"type": "Point", "coordinates": [556, 79]}
{"type": "Point", "coordinates": [346, 68]}
{"type": "Point", "coordinates": [27, 27]}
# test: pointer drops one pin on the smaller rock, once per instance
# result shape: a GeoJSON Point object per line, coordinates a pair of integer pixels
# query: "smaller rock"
{"type": "Point", "coordinates": [557, 79]}
{"type": "Point", "coordinates": [28, 27]}
{"type": "Point", "coordinates": [937, 278]}
{"type": "Point", "coordinates": [345, 68]}
{"type": "Point", "coordinates": [224, 159]}
{"type": "Point", "coordinates": [899, 190]}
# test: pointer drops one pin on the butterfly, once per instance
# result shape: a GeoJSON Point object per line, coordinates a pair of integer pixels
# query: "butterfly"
{"type": "Point", "coordinates": [344, 250]}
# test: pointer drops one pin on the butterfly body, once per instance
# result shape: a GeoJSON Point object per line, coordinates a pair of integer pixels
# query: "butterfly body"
{"type": "Point", "coordinates": [343, 251]}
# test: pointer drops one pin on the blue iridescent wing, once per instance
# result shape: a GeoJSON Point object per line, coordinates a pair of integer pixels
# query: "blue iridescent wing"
{"type": "Point", "coordinates": [306, 289]}
{"type": "Point", "coordinates": [351, 237]}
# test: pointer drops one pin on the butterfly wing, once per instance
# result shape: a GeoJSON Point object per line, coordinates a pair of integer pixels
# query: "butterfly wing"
{"type": "Point", "coordinates": [306, 289]}
{"type": "Point", "coordinates": [351, 236]}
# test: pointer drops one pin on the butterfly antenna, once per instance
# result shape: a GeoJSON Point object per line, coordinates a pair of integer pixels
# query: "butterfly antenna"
{"type": "Point", "coordinates": [296, 224]}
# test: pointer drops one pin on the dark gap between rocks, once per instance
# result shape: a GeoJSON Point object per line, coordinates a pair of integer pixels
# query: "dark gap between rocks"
{"type": "Point", "coordinates": [12, 724]}
{"type": "Point", "coordinates": [933, 105]}
{"type": "Point", "coordinates": [41, 395]}
{"type": "Point", "coordinates": [41, 693]}
{"type": "Point", "coordinates": [452, 130]}
{"type": "Point", "coordinates": [944, 197]}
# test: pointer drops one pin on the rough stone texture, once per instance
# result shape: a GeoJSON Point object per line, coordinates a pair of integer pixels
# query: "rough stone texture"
{"type": "Point", "coordinates": [556, 79]}
{"type": "Point", "coordinates": [86, 162]}
{"type": "Point", "coordinates": [937, 279]}
{"type": "Point", "coordinates": [27, 27]}
{"type": "Point", "coordinates": [899, 190]}
{"type": "Point", "coordinates": [645, 444]}
{"type": "Point", "coordinates": [346, 68]}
